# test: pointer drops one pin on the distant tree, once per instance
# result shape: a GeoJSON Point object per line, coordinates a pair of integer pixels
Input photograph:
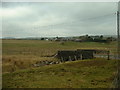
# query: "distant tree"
{"type": "Point", "coordinates": [57, 37]}
{"type": "Point", "coordinates": [101, 37]}
{"type": "Point", "coordinates": [86, 35]}
{"type": "Point", "coordinates": [89, 38]}
{"type": "Point", "coordinates": [42, 38]}
{"type": "Point", "coordinates": [109, 39]}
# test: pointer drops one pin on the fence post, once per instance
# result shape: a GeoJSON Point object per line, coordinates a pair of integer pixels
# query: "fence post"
{"type": "Point", "coordinates": [108, 55]}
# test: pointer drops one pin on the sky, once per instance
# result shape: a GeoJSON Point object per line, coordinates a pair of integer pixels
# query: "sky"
{"type": "Point", "coordinates": [49, 19]}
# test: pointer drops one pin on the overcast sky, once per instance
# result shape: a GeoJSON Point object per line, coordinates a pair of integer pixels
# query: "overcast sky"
{"type": "Point", "coordinates": [58, 19]}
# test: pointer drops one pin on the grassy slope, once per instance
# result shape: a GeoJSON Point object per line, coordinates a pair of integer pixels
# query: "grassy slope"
{"type": "Point", "coordinates": [94, 73]}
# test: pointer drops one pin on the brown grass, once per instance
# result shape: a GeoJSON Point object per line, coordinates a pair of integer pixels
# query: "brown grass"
{"type": "Point", "coordinates": [21, 54]}
{"type": "Point", "coordinates": [20, 62]}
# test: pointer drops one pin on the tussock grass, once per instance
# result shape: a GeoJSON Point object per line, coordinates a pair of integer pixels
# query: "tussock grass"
{"type": "Point", "coordinates": [96, 73]}
{"type": "Point", "coordinates": [19, 55]}
{"type": "Point", "coordinates": [21, 62]}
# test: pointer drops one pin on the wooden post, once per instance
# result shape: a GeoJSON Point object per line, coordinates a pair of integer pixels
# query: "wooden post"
{"type": "Point", "coordinates": [118, 38]}
{"type": "Point", "coordinates": [108, 53]}
{"type": "Point", "coordinates": [118, 79]}
{"type": "Point", "coordinates": [118, 33]}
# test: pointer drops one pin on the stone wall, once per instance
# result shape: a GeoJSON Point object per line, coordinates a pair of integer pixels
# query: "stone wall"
{"type": "Point", "coordinates": [79, 54]}
{"type": "Point", "coordinates": [68, 55]}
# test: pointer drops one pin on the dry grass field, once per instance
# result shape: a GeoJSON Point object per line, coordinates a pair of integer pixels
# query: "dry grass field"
{"type": "Point", "coordinates": [95, 73]}
{"type": "Point", "coordinates": [19, 55]}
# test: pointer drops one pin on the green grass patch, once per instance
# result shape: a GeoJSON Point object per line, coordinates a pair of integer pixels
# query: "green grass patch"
{"type": "Point", "coordinates": [95, 73]}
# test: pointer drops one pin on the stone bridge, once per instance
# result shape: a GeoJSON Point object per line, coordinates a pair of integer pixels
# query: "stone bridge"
{"type": "Point", "coordinates": [79, 54]}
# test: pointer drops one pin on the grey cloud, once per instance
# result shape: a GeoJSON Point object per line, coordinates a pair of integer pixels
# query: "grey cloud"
{"type": "Point", "coordinates": [60, 19]}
